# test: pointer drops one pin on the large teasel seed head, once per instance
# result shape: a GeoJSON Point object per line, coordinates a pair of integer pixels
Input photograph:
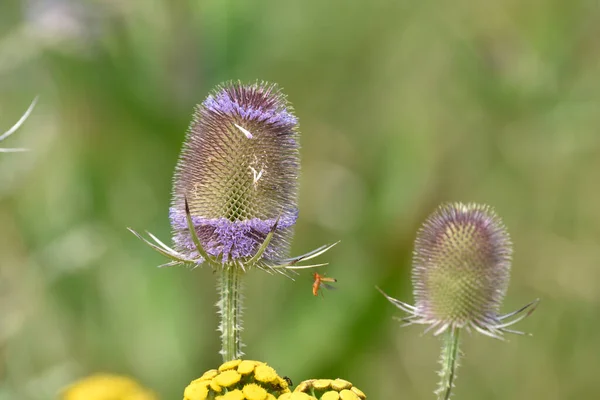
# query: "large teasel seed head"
{"type": "Point", "coordinates": [461, 265]}
{"type": "Point", "coordinates": [238, 171]}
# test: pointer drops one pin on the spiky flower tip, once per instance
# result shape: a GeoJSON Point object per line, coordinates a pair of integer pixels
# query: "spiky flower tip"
{"type": "Point", "coordinates": [238, 380]}
{"type": "Point", "coordinates": [107, 387]}
{"type": "Point", "coordinates": [461, 268]}
{"type": "Point", "coordinates": [325, 389]}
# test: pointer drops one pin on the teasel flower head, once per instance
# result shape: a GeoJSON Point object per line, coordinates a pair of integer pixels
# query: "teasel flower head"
{"type": "Point", "coordinates": [461, 268]}
{"type": "Point", "coordinates": [14, 128]}
{"type": "Point", "coordinates": [235, 187]}
{"type": "Point", "coordinates": [325, 389]}
{"type": "Point", "coordinates": [239, 173]}
{"type": "Point", "coordinates": [238, 380]}
{"type": "Point", "coordinates": [107, 387]}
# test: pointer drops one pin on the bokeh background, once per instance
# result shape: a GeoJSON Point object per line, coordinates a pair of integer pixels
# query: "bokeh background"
{"type": "Point", "coordinates": [402, 104]}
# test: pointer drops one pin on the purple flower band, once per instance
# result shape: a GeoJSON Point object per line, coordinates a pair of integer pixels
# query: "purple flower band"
{"type": "Point", "coordinates": [231, 240]}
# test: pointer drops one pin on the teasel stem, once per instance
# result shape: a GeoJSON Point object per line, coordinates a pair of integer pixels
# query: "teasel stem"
{"type": "Point", "coordinates": [230, 311]}
{"type": "Point", "coordinates": [449, 361]}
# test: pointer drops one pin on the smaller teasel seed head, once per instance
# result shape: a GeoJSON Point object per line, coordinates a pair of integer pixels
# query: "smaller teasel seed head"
{"type": "Point", "coordinates": [239, 172]}
{"type": "Point", "coordinates": [326, 389]}
{"type": "Point", "coordinates": [461, 269]}
{"type": "Point", "coordinates": [461, 264]}
{"type": "Point", "coordinates": [238, 380]}
{"type": "Point", "coordinates": [106, 387]}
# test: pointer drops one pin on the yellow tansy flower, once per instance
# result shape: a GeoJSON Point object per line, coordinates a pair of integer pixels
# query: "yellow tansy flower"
{"type": "Point", "coordinates": [238, 380]}
{"type": "Point", "coordinates": [229, 365]}
{"type": "Point", "coordinates": [296, 396]}
{"type": "Point", "coordinates": [348, 395]}
{"type": "Point", "coordinates": [215, 386]}
{"type": "Point", "coordinates": [196, 390]}
{"type": "Point", "coordinates": [340, 384]}
{"type": "Point", "coordinates": [246, 367]}
{"type": "Point", "coordinates": [330, 389]}
{"type": "Point", "coordinates": [106, 387]}
{"type": "Point", "coordinates": [227, 378]}
{"type": "Point", "coordinates": [266, 374]}
{"type": "Point", "coordinates": [235, 395]}
{"type": "Point", "coordinates": [208, 375]}
{"type": "Point", "coordinates": [254, 392]}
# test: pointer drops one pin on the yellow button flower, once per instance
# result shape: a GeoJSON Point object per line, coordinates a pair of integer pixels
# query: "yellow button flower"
{"type": "Point", "coordinates": [229, 365]}
{"type": "Point", "coordinates": [235, 395]}
{"type": "Point", "coordinates": [296, 396]}
{"type": "Point", "coordinates": [238, 380]}
{"type": "Point", "coordinates": [106, 387]}
{"type": "Point", "coordinates": [330, 389]}
{"type": "Point", "coordinates": [254, 392]}
{"type": "Point", "coordinates": [348, 395]}
{"type": "Point", "coordinates": [266, 374]}
{"type": "Point", "coordinates": [227, 378]}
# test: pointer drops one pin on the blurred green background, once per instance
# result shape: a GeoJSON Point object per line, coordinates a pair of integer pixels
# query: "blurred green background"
{"type": "Point", "coordinates": [402, 105]}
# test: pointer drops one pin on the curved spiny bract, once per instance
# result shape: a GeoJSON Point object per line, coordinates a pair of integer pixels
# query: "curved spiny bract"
{"type": "Point", "coordinates": [239, 171]}
{"type": "Point", "coordinates": [14, 128]}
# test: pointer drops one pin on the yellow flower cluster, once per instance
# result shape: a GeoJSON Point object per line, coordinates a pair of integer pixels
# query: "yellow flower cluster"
{"type": "Point", "coordinates": [238, 380]}
{"type": "Point", "coordinates": [325, 389]}
{"type": "Point", "coordinates": [106, 387]}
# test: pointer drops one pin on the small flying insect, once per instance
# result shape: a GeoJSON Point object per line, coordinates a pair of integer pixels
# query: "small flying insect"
{"type": "Point", "coordinates": [320, 282]}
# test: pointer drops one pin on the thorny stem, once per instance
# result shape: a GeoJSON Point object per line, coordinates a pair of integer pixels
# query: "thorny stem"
{"type": "Point", "coordinates": [230, 310]}
{"type": "Point", "coordinates": [449, 361]}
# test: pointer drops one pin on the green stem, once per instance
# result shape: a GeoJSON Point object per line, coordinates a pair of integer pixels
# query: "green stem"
{"type": "Point", "coordinates": [449, 361]}
{"type": "Point", "coordinates": [230, 310]}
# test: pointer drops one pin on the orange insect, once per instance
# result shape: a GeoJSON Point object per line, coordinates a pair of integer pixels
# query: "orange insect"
{"type": "Point", "coordinates": [320, 282]}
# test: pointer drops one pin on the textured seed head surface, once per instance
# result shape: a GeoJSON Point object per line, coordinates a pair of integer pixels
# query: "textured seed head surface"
{"type": "Point", "coordinates": [239, 172]}
{"type": "Point", "coordinates": [461, 265]}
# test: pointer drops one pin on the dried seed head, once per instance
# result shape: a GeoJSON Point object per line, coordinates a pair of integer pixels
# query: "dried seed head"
{"type": "Point", "coordinates": [461, 266]}
{"type": "Point", "coordinates": [239, 172]}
